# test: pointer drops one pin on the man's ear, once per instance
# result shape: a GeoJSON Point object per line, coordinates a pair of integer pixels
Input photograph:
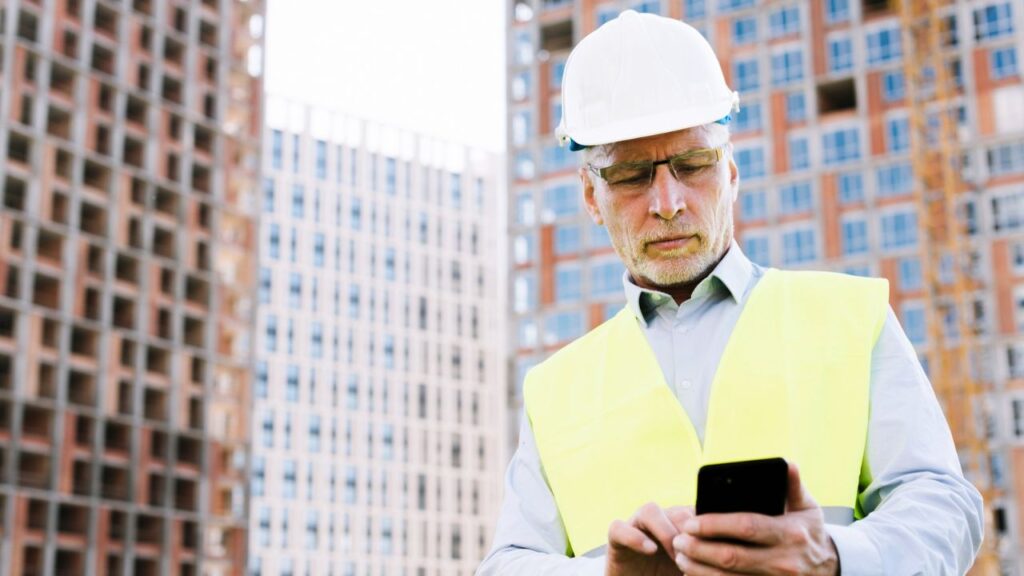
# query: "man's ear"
{"type": "Point", "coordinates": [588, 196]}
{"type": "Point", "coordinates": [734, 175]}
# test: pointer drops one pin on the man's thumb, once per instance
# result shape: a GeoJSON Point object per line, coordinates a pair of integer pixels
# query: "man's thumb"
{"type": "Point", "coordinates": [797, 496]}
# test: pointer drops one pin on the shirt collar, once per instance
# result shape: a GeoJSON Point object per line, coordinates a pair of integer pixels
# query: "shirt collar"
{"type": "Point", "coordinates": [732, 274]}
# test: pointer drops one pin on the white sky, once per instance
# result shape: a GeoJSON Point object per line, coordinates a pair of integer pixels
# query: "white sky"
{"type": "Point", "coordinates": [436, 67]}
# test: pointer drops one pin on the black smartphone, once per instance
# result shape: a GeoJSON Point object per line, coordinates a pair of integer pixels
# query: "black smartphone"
{"type": "Point", "coordinates": [748, 486]}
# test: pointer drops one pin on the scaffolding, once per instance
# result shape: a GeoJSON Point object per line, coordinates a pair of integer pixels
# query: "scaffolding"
{"type": "Point", "coordinates": [953, 355]}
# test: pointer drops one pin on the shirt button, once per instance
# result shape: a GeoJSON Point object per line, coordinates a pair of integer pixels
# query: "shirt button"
{"type": "Point", "coordinates": [686, 384]}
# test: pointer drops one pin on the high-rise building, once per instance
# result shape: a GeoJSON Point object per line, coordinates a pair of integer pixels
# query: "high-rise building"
{"type": "Point", "coordinates": [823, 144]}
{"type": "Point", "coordinates": [378, 422]}
{"type": "Point", "coordinates": [130, 139]}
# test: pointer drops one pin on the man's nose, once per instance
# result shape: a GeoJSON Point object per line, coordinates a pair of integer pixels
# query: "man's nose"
{"type": "Point", "coordinates": [667, 194]}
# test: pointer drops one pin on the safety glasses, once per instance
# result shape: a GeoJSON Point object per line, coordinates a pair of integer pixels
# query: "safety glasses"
{"type": "Point", "coordinates": [639, 174]}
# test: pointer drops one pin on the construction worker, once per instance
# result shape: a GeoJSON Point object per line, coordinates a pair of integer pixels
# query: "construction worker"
{"type": "Point", "coordinates": [716, 359]}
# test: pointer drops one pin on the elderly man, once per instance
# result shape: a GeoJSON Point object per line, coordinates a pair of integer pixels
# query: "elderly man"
{"type": "Point", "coordinates": [715, 359]}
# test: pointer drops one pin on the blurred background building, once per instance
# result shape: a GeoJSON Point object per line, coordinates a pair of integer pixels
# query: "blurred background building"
{"type": "Point", "coordinates": [130, 139]}
{"type": "Point", "coordinates": [831, 171]}
{"type": "Point", "coordinates": [377, 432]}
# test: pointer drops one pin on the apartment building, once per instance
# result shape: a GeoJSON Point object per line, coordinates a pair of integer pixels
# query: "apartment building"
{"type": "Point", "coordinates": [127, 240]}
{"type": "Point", "coordinates": [822, 142]}
{"type": "Point", "coordinates": [378, 418]}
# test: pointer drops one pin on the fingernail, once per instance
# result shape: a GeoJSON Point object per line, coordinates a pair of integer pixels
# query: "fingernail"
{"type": "Point", "coordinates": [677, 542]}
{"type": "Point", "coordinates": [679, 560]}
{"type": "Point", "coordinates": [650, 546]}
{"type": "Point", "coordinates": [692, 525]}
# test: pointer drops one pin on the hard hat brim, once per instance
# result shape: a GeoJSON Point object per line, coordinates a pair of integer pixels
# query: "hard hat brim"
{"type": "Point", "coordinates": [654, 124]}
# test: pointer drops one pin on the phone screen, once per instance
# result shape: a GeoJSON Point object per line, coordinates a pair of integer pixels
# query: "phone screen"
{"type": "Point", "coordinates": [758, 486]}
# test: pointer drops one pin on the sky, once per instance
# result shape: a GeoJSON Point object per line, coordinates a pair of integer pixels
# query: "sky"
{"type": "Point", "coordinates": [435, 67]}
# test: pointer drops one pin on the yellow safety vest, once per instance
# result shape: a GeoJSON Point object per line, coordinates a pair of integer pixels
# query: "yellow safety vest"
{"type": "Point", "coordinates": [793, 381]}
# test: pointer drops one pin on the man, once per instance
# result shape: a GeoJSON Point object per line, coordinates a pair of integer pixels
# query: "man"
{"type": "Point", "coordinates": [715, 359]}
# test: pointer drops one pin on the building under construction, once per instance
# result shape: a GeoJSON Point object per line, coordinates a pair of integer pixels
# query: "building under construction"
{"type": "Point", "coordinates": [130, 134]}
{"type": "Point", "coordinates": [875, 138]}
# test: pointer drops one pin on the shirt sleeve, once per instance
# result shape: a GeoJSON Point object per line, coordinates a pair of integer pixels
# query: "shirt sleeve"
{"type": "Point", "coordinates": [529, 537]}
{"type": "Point", "coordinates": [921, 515]}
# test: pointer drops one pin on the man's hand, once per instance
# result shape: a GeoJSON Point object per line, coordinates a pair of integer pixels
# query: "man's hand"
{"type": "Point", "coordinates": [742, 543]}
{"type": "Point", "coordinates": [642, 546]}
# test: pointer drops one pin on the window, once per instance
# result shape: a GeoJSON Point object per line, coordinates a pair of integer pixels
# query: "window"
{"type": "Point", "coordinates": [262, 379]}
{"type": "Point", "coordinates": [796, 107]}
{"type": "Point", "coordinates": [321, 160]}
{"type": "Point", "coordinates": [292, 384]}
{"type": "Point", "coordinates": [522, 127]}
{"type": "Point", "coordinates": [895, 180]}
{"type": "Point", "coordinates": [1008, 211]}
{"type": "Point", "coordinates": [795, 197]}
{"type": "Point", "coordinates": [318, 249]}
{"type": "Point", "coordinates": [798, 246]}
{"type": "Point", "coordinates": [841, 146]}
{"type": "Point", "coordinates": [750, 162]}
{"type": "Point", "coordinates": [288, 485]}
{"type": "Point", "coordinates": [855, 236]}
{"type": "Point", "coordinates": [267, 430]}
{"type": "Point", "coordinates": [757, 249]}
{"type": "Point", "coordinates": [784, 21]}
{"type": "Point", "coordinates": [277, 149]}
{"type": "Point", "coordinates": [730, 5]}
{"type": "Point", "coordinates": [993, 21]}
{"type": "Point", "coordinates": [356, 214]}
{"type": "Point", "coordinates": [353, 301]}
{"type": "Point", "coordinates": [524, 208]}
{"type": "Point", "coordinates": [294, 290]}
{"type": "Point", "coordinates": [748, 119]}
{"type": "Point", "coordinates": [884, 45]}
{"type": "Point", "coordinates": [557, 71]}
{"type": "Point", "coordinates": [316, 346]}
{"type": "Point", "coordinates": [787, 67]}
{"type": "Point", "coordinates": [897, 134]}
{"type": "Point", "coordinates": [909, 270]}
{"type": "Point", "coordinates": [899, 230]}
{"type": "Point", "coordinates": [840, 54]}
{"type": "Point", "coordinates": [1015, 369]}
{"type": "Point", "coordinates": [520, 85]}
{"type": "Point", "coordinates": [863, 270]}
{"type": "Point", "coordinates": [753, 205]}
{"type": "Point", "coordinates": [744, 30]}
{"type": "Point", "coordinates": [556, 156]}
{"type": "Point", "coordinates": [605, 14]}
{"type": "Point", "coordinates": [266, 285]}
{"type": "Point", "coordinates": [268, 195]}
{"type": "Point", "coordinates": [851, 187]}
{"type": "Point", "coordinates": [567, 239]}
{"type": "Point", "coordinates": [525, 293]}
{"type": "Point", "coordinates": [837, 11]}
{"type": "Point", "coordinates": [298, 200]}
{"type": "Point", "coordinates": [606, 278]}
{"type": "Point", "coordinates": [524, 248]}
{"type": "Point", "coordinates": [568, 286]}
{"type": "Point", "coordinates": [455, 188]}
{"type": "Point", "coordinates": [313, 443]}
{"type": "Point", "coordinates": [893, 86]}
{"type": "Point", "coordinates": [1003, 62]}
{"type": "Point", "coordinates": [561, 201]}
{"type": "Point", "coordinates": [648, 6]}
{"type": "Point", "coordinates": [563, 327]}
{"type": "Point", "coordinates": [1006, 159]}
{"type": "Point", "coordinates": [271, 333]}
{"type": "Point", "coordinates": [799, 153]}
{"type": "Point", "coordinates": [745, 74]}
{"type": "Point", "coordinates": [914, 323]}
{"type": "Point", "coordinates": [693, 9]}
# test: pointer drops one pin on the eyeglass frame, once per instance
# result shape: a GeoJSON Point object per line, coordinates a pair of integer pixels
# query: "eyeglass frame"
{"type": "Point", "coordinates": [718, 150]}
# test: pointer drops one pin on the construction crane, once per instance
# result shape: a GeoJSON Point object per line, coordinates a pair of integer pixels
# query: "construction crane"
{"type": "Point", "coordinates": [945, 248]}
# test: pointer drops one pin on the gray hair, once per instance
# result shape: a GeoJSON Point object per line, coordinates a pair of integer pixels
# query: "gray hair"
{"type": "Point", "coordinates": [718, 133]}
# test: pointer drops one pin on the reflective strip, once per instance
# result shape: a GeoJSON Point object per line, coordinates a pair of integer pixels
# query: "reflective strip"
{"type": "Point", "coordinates": [840, 515]}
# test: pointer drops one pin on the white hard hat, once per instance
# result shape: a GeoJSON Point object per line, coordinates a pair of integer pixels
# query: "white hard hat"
{"type": "Point", "coordinates": [640, 75]}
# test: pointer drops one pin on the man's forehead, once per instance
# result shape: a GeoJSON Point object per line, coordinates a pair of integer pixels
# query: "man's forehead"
{"type": "Point", "coordinates": [672, 142]}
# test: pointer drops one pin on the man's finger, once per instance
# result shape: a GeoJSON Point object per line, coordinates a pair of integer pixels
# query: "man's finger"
{"type": "Point", "coordinates": [624, 536]}
{"type": "Point", "coordinates": [652, 519]}
{"type": "Point", "coordinates": [678, 515]}
{"type": "Point", "coordinates": [728, 556]}
{"type": "Point", "coordinates": [693, 567]}
{"type": "Point", "coordinates": [797, 497]}
{"type": "Point", "coordinates": [742, 526]}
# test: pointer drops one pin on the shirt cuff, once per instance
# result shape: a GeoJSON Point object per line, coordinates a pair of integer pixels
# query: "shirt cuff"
{"type": "Point", "coordinates": [858, 556]}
